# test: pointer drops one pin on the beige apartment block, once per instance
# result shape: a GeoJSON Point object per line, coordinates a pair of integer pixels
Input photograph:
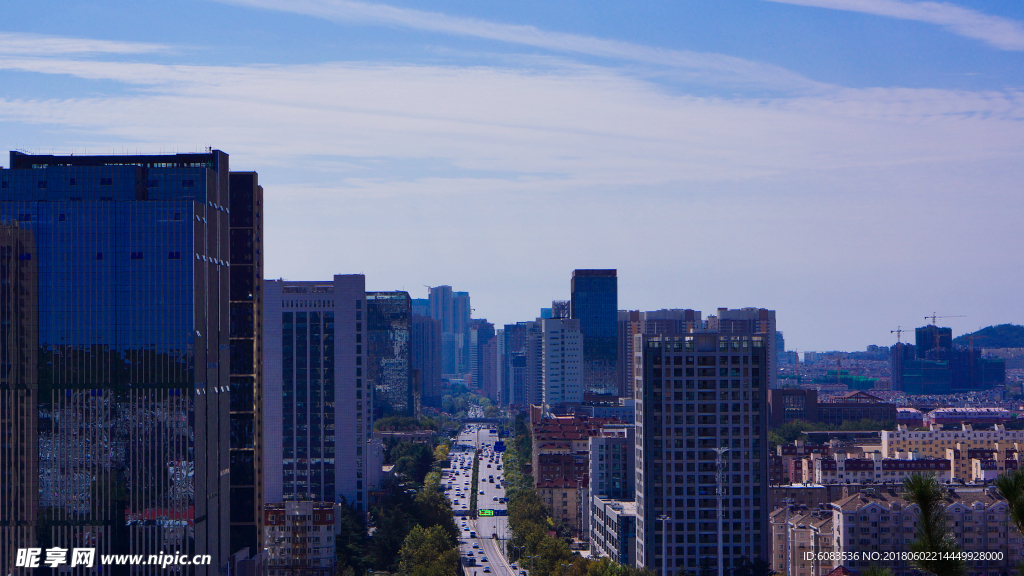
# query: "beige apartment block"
{"type": "Point", "coordinates": [881, 522]}
{"type": "Point", "coordinates": [811, 541]}
{"type": "Point", "coordinates": [959, 444]}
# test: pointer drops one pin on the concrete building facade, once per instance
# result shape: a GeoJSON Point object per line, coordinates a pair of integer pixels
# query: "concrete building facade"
{"type": "Point", "coordinates": [299, 538]}
{"type": "Point", "coordinates": [695, 393]}
{"type": "Point", "coordinates": [318, 403]}
{"type": "Point", "coordinates": [613, 529]}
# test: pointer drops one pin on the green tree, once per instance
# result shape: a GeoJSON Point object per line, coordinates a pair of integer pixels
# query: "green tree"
{"type": "Point", "coordinates": [1011, 487]}
{"type": "Point", "coordinates": [428, 552]}
{"type": "Point", "coordinates": [441, 452]}
{"type": "Point", "coordinates": [433, 509]}
{"type": "Point", "coordinates": [607, 567]}
{"type": "Point", "coordinates": [411, 459]}
{"type": "Point", "coordinates": [876, 570]}
{"type": "Point", "coordinates": [393, 519]}
{"type": "Point", "coordinates": [350, 541]}
{"type": "Point", "coordinates": [933, 533]}
{"type": "Point", "coordinates": [759, 567]}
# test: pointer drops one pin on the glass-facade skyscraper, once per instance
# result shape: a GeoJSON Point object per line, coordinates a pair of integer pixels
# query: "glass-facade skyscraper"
{"type": "Point", "coordinates": [246, 309]}
{"type": "Point", "coordinates": [595, 303]}
{"type": "Point", "coordinates": [389, 323]}
{"type": "Point", "coordinates": [114, 355]}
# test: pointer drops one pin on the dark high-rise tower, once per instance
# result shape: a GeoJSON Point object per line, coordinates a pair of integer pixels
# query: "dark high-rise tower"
{"type": "Point", "coordinates": [595, 303]}
{"type": "Point", "coordinates": [122, 369]}
{"type": "Point", "coordinates": [389, 373]}
{"type": "Point", "coordinates": [696, 394]}
{"type": "Point", "coordinates": [425, 356]}
{"type": "Point", "coordinates": [246, 307]}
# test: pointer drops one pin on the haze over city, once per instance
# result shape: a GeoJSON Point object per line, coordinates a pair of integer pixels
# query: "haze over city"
{"type": "Point", "coordinates": [852, 165]}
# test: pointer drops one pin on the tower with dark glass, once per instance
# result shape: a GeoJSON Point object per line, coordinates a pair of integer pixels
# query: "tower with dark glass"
{"type": "Point", "coordinates": [115, 375]}
{"type": "Point", "coordinates": [595, 303]}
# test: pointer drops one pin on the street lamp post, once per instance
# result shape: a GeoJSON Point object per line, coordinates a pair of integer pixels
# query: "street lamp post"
{"type": "Point", "coordinates": [789, 567]}
{"type": "Point", "coordinates": [664, 543]}
{"type": "Point", "coordinates": [720, 469]}
{"type": "Point", "coordinates": [519, 552]}
{"type": "Point", "coordinates": [532, 558]}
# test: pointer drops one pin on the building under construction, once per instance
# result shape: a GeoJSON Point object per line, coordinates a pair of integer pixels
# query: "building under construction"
{"type": "Point", "coordinates": [934, 366]}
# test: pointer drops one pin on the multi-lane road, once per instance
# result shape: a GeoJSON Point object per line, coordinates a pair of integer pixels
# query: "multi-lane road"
{"type": "Point", "coordinates": [480, 542]}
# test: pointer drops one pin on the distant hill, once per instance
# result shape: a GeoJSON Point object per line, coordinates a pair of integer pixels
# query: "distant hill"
{"type": "Point", "coordinates": [1001, 336]}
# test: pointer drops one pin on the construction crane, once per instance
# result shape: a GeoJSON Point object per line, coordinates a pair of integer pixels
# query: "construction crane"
{"type": "Point", "coordinates": [935, 316]}
{"type": "Point", "coordinates": [898, 332]}
{"type": "Point", "coordinates": [896, 372]}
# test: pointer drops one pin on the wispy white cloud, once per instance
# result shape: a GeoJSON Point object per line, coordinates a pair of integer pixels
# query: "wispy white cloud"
{"type": "Point", "coordinates": [524, 123]}
{"type": "Point", "coordinates": [38, 45]}
{"type": "Point", "coordinates": [712, 67]}
{"type": "Point", "coordinates": [1001, 33]}
{"type": "Point", "coordinates": [388, 169]}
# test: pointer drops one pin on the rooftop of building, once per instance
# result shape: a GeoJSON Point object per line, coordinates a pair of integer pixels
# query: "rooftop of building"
{"type": "Point", "coordinates": [22, 160]}
{"type": "Point", "coordinates": [625, 507]}
{"type": "Point", "coordinates": [893, 495]}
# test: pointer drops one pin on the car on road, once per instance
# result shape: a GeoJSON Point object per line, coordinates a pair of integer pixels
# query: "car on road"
{"type": "Point", "coordinates": [483, 558]}
{"type": "Point", "coordinates": [486, 570]}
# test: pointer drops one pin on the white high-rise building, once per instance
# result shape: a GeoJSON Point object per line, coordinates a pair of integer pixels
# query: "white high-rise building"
{"type": "Point", "coordinates": [561, 360]}
{"type": "Point", "coordinates": [317, 404]}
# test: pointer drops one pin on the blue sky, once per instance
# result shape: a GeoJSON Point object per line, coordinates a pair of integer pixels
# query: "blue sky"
{"type": "Point", "coordinates": [853, 164]}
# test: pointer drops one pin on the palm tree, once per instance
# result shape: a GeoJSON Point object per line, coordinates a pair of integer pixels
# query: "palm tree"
{"type": "Point", "coordinates": [934, 537]}
{"type": "Point", "coordinates": [1011, 487]}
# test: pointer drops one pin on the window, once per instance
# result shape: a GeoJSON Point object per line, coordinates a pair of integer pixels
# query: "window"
{"type": "Point", "coordinates": [42, 184]}
{"type": "Point", "coordinates": [106, 181]}
{"type": "Point", "coordinates": [99, 255]}
{"type": "Point", "coordinates": [152, 183]}
{"type": "Point", "coordinates": [62, 217]}
{"type": "Point", "coordinates": [174, 255]}
{"type": "Point", "coordinates": [71, 182]}
{"type": "Point", "coordinates": [136, 255]}
{"type": "Point", "coordinates": [188, 183]}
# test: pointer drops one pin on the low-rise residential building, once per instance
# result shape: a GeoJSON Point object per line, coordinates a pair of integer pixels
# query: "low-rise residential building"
{"type": "Point", "coordinates": [791, 456]}
{"type": "Point", "coordinates": [910, 417]}
{"type": "Point", "coordinates": [934, 441]}
{"type": "Point", "coordinates": [810, 495]}
{"type": "Point", "coordinates": [562, 497]}
{"type": "Point", "coordinates": [613, 529]}
{"type": "Point", "coordinates": [811, 541]}
{"type": "Point", "coordinates": [875, 468]}
{"type": "Point", "coordinates": [881, 521]}
{"type": "Point", "coordinates": [299, 538]}
{"type": "Point", "coordinates": [973, 416]}
{"type": "Point", "coordinates": [998, 458]}
{"type": "Point", "coordinates": [987, 469]}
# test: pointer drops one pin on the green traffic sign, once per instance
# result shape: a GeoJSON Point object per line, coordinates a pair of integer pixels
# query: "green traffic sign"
{"type": "Point", "coordinates": [486, 512]}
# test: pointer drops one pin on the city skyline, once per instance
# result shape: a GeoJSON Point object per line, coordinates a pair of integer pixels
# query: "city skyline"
{"type": "Point", "coordinates": [845, 163]}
